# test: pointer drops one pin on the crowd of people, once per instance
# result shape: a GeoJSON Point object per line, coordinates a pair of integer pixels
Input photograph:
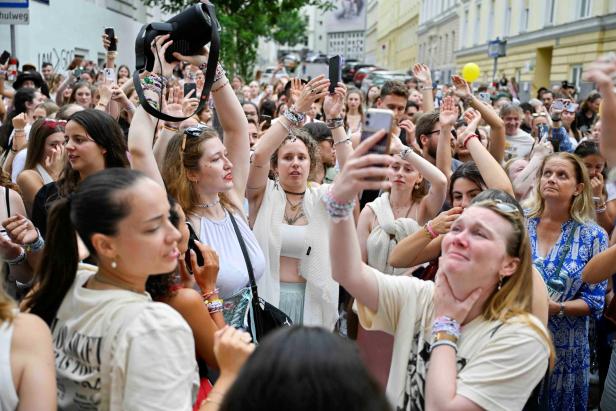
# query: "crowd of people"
{"type": "Point", "coordinates": [467, 267]}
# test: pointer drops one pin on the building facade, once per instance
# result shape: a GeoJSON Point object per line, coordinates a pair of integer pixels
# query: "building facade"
{"type": "Point", "coordinates": [345, 25]}
{"type": "Point", "coordinates": [437, 37]}
{"type": "Point", "coordinates": [370, 44]}
{"type": "Point", "coordinates": [548, 41]}
{"type": "Point", "coordinates": [60, 30]}
{"type": "Point", "coordinates": [396, 37]}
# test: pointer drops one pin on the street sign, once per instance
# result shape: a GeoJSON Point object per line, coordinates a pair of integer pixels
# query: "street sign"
{"type": "Point", "coordinates": [497, 48]}
{"type": "Point", "coordinates": [14, 12]}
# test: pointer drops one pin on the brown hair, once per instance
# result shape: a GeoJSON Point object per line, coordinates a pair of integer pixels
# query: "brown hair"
{"type": "Point", "coordinates": [6, 303]}
{"type": "Point", "coordinates": [309, 142]}
{"type": "Point", "coordinates": [36, 142]}
{"type": "Point", "coordinates": [424, 125]}
{"type": "Point", "coordinates": [183, 155]}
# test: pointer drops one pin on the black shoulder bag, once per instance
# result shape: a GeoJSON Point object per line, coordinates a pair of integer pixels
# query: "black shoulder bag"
{"type": "Point", "coordinates": [266, 317]}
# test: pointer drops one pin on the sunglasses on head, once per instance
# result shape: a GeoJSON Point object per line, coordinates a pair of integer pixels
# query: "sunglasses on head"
{"type": "Point", "coordinates": [500, 205]}
{"type": "Point", "coordinates": [194, 131]}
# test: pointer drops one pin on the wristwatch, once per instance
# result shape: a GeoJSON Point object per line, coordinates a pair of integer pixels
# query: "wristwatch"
{"type": "Point", "coordinates": [561, 312]}
{"type": "Point", "coordinates": [555, 117]}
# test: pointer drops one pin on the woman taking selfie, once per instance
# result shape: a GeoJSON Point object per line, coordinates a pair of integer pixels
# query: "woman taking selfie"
{"type": "Point", "coordinates": [452, 338]}
{"type": "Point", "coordinates": [287, 215]}
{"type": "Point", "coordinates": [114, 347]}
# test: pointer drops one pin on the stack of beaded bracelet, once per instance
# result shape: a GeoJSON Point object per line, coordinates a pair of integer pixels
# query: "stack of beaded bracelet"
{"type": "Point", "coordinates": [294, 117]}
{"type": "Point", "coordinates": [36, 245]}
{"type": "Point", "coordinates": [337, 211]}
{"type": "Point", "coordinates": [445, 331]}
{"type": "Point", "coordinates": [19, 259]}
{"type": "Point", "coordinates": [155, 84]}
{"type": "Point", "coordinates": [333, 123]}
{"type": "Point", "coordinates": [214, 305]}
{"type": "Point", "coordinates": [600, 205]}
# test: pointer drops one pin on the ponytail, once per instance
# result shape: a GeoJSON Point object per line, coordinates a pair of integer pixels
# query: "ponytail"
{"type": "Point", "coordinates": [58, 266]}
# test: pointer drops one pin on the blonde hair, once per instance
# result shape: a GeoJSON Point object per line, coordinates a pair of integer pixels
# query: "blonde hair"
{"type": "Point", "coordinates": [7, 305]}
{"type": "Point", "coordinates": [512, 300]}
{"type": "Point", "coordinates": [582, 208]}
{"type": "Point", "coordinates": [183, 155]}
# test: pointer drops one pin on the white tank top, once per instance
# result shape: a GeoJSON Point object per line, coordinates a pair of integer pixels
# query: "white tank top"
{"type": "Point", "coordinates": [293, 241]}
{"type": "Point", "coordinates": [8, 394]}
{"type": "Point", "coordinates": [233, 274]}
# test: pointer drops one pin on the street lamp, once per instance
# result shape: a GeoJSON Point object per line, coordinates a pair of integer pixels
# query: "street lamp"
{"type": "Point", "coordinates": [496, 48]}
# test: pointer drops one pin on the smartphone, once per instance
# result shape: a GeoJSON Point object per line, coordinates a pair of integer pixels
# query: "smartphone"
{"type": "Point", "coordinates": [335, 73]}
{"type": "Point", "coordinates": [485, 97]}
{"type": "Point", "coordinates": [378, 119]}
{"type": "Point", "coordinates": [192, 246]}
{"type": "Point", "coordinates": [558, 105]}
{"type": "Point", "coordinates": [4, 57]}
{"type": "Point", "coordinates": [113, 46]}
{"type": "Point", "coordinates": [77, 72]}
{"type": "Point", "coordinates": [188, 87]}
{"type": "Point", "coordinates": [110, 75]}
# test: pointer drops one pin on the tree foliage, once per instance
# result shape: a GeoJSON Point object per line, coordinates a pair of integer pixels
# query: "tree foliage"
{"type": "Point", "coordinates": [244, 21]}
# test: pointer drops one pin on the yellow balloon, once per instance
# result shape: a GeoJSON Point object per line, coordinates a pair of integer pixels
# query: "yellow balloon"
{"type": "Point", "coordinates": [470, 72]}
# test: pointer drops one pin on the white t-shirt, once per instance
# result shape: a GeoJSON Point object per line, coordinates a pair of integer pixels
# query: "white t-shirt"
{"type": "Point", "coordinates": [153, 364]}
{"type": "Point", "coordinates": [519, 145]}
{"type": "Point", "coordinates": [499, 364]}
{"type": "Point", "coordinates": [19, 162]}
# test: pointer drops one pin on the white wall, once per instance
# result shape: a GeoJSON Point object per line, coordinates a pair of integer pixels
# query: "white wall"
{"type": "Point", "coordinates": [57, 30]}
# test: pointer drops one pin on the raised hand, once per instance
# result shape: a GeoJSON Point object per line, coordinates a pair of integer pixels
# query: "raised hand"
{"type": "Point", "coordinates": [196, 59]}
{"type": "Point", "coordinates": [448, 114]}
{"type": "Point", "coordinates": [295, 90]}
{"type": "Point", "coordinates": [54, 162]}
{"type": "Point", "coordinates": [363, 171]}
{"type": "Point", "coordinates": [601, 71]}
{"type": "Point", "coordinates": [206, 274]}
{"type": "Point", "coordinates": [159, 46]}
{"type": "Point", "coordinates": [461, 87]}
{"type": "Point", "coordinates": [20, 229]}
{"type": "Point", "coordinates": [312, 91]}
{"type": "Point", "coordinates": [422, 74]}
{"type": "Point", "coordinates": [441, 224]}
{"type": "Point", "coordinates": [20, 121]}
{"type": "Point", "coordinates": [333, 103]}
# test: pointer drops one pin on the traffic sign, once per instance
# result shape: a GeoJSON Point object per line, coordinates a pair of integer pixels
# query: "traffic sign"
{"type": "Point", "coordinates": [14, 12]}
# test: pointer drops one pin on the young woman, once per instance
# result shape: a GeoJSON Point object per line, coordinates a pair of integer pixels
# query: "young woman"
{"type": "Point", "coordinates": [27, 371]}
{"type": "Point", "coordinates": [452, 337]}
{"type": "Point", "coordinates": [207, 177]}
{"type": "Point", "coordinates": [563, 238]}
{"type": "Point", "coordinates": [44, 160]}
{"type": "Point", "coordinates": [374, 92]}
{"type": "Point", "coordinates": [82, 94]}
{"type": "Point", "coordinates": [123, 72]}
{"type": "Point", "coordinates": [354, 117]}
{"type": "Point", "coordinates": [287, 215]}
{"type": "Point", "coordinates": [93, 142]}
{"type": "Point", "coordinates": [588, 113]}
{"type": "Point", "coordinates": [401, 211]}
{"type": "Point", "coordinates": [114, 347]}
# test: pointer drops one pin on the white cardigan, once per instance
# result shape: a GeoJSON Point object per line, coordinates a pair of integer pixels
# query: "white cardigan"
{"type": "Point", "coordinates": [321, 299]}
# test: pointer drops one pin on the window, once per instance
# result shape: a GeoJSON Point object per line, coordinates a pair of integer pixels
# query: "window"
{"type": "Point", "coordinates": [583, 9]}
{"type": "Point", "coordinates": [490, 20]}
{"type": "Point", "coordinates": [464, 29]}
{"type": "Point", "coordinates": [550, 9]}
{"type": "Point", "coordinates": [576, 74]}
{"type": "Point", "coordinates": [524, 16]}
{"type": "Point", "coordinates": [507, 22]}
{"type": "Point", "coordinates": [477, 26]}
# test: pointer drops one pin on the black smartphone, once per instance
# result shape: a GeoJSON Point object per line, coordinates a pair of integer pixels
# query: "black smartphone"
{"type": "Point", "coordinates": [188, 87]}
{"type": "Point", "coordinates": [113, 46]}
{"type": "Point", "coordinates": [192, 246]}
{"type": "Point", "coordinates": [335, 72]}
{"type": "Point", "coordinates": [4, 57]}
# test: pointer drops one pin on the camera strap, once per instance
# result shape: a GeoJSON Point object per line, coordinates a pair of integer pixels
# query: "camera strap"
{"type": "Point", "coordinates": [210, 73]}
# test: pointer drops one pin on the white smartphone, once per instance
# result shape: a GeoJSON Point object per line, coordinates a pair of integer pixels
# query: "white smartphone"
{"type": "Point", "coordinates": [110, 75]}
{"type": "Point", "coordinates": [378, 119]}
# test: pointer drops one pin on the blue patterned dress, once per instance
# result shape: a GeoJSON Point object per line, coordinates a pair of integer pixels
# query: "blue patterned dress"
{"type": "Point", "coordinates": [569, 380]}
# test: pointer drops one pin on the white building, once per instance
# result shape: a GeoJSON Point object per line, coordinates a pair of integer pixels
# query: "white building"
{"type": "Point", "coordinates": [60, 30]}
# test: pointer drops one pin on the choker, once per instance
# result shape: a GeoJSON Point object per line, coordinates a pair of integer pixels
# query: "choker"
{"type": "Point", "coordinates": [208, 205]}
{"type": "Point", "coordinates": [296, 194]}
{"type": "Point", "coordinates": [119, 284]}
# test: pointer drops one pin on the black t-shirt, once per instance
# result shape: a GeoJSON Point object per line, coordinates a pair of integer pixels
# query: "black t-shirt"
{"type": "Point", "coordinates": [43, 201]}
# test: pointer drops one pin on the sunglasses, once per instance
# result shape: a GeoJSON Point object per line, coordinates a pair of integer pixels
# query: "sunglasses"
{"type": "Point", "coordinates": [503, 207]}
{"type": "Point", "coordinates": [535, 115]}
{"type": "Point", "coordinates": [194, 131]}
{"type": "Point", "coordinates": [53, 123]}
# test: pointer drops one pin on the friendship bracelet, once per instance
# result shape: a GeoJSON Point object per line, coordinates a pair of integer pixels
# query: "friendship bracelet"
{"type": "Point", "coordinates": [447, 325]}
{"type": "Point", "coordinates": [207, 295]}
{"type": "Point", "coordinates": [405, 153]}
{"type": "Point", "coordinates": [17, 260]}
{"type": "Point", "coordinates": [468, 138]}
{"type": "Point", "coordinates": [444, 342]}
{"type": "Point", "coordinates": [334, 123]}
{"type": "Point", "coordinates": [36, 245]}
{"type": "Point", "coordinates": [220, 87]}
{"type": "Point", "coordinates": [344, 141]}
{"type": "Point", "coordinates": [293, 116]}
{"type": "Point", "coordinates": [337, 211]}
{"type": "Point", "coordinates": [430, 230]}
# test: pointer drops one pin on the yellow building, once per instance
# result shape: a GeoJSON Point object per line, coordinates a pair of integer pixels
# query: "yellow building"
{"type": "Point", "coordinates": [391, 37]}
{"type": "Point", "coordinates": [548, 41]}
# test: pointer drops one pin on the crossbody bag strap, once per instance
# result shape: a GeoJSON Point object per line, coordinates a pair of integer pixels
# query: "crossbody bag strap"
{"type": "Point", "coordinates": [562, 253]}
{"type": "Point", "coordinates": [251, 276]}
{"type": "Point", "coordinates": [210, 74]}
{"type": "Point", "coordinates": [8, 202]}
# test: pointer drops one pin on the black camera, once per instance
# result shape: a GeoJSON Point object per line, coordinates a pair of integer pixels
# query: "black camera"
{"type": "Point", "coordinates": [190, 31]}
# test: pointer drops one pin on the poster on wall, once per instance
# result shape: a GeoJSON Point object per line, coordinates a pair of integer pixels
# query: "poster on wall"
{"type": "Point", "coordinates": [347, 15]}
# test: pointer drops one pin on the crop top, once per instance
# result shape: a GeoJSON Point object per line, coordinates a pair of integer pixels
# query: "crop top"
{"type": "Point", "coordinates": [293, 241]}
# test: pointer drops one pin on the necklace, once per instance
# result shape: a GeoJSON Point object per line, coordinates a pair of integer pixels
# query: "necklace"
{"type": "Point", "coordinates": [294, 207]}
{"type": "Point", "coordinates": [292, 220]}
{"type": "Point", "coordinates": [296, 194]}
{"type": "Point", "coordinates": [209, 205]}
{"type": "Point", "coordinates": [119, 284]}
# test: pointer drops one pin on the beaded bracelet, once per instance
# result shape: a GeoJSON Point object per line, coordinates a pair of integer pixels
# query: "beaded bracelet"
{"type": "Point", "coordinates": [430, 230]}
{"type": "Point", "coordinates": [36, 245]}
{"type": "Point", "coordinates": [214, 306]}
{"type": "Point", "coordinates": [344, 141]}
{"type": "Point", "coordinates": [293, 116]}
{"type": "Point", "coordinates": [207, 295]}
{"type": "Point", "coordinates": [447, 325]}
{"type": "Point", "coordinates": [337, 211]}
{"type": "Point", "coordinates": [333, 123]}
{"type": "Point", "coordinates": [468, 138]}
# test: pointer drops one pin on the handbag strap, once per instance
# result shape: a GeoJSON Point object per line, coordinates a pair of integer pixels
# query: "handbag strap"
{"type": "Point", "coordinates": [251, 275]}
{"type": "Point", "coordinates": [210, 73]}
{"type": "Point", "coordinates": [563, 252]}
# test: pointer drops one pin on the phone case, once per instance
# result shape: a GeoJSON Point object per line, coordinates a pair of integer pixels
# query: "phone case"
{"type": "Point", "coordinates": [378, 119]}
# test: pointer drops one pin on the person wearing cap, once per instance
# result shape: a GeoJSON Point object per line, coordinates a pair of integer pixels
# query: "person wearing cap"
{"type": "Point", "coordinates": [31, 79]}
{"type": "Point", "coordinates": [568, 90]}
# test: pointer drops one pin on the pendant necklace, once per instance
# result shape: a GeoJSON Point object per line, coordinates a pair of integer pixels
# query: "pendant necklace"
{"type": "Point", "coordinates": [209, 205]}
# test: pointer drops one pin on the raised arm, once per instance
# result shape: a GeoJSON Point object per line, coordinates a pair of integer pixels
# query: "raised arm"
{"type": "Point", "coordinates": [358, 174]}
{"type": "Point", "coordinates": [600, 73]}
{"type": "Point", "coordinates": [525, 181]}
{"type": "Point", "coordinates": [424, 77]}
{"type": "Point", "coordinates": [491, 171]}
{"type": "Point", "coordinates": [433, 202]}
{"type": "Point", "coordinates": [332, 106]}
{"type": "Point", "coordinates": [276, 134]}
{"type": "Point", "coordinates": [447, 119]}
{"type": "Point", "coordinates": [497, 126]}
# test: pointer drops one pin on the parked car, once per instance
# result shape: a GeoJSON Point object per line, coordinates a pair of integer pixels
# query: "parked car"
{"type": "Point", "coordinates": [269, 72]}
{"type": "Point", "coordinates": [362, 73]}
{"type": "Point", "coordinates": [378, 78]}
{"type": "Point", "coordinates": [350, 68]}
{"type": "Point", "coordinates": [317, 58]}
